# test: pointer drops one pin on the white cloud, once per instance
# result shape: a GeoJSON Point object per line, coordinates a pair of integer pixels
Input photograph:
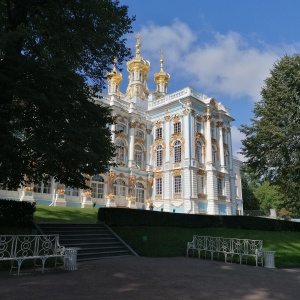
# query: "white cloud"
{"type": "Point", "coordinates": [227, 65]}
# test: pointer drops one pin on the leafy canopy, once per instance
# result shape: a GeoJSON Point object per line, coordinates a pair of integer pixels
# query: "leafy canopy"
{"type": "Point", "coordinates": [272, 143]}
{"type": "Point", "coordinates": [53, 58]}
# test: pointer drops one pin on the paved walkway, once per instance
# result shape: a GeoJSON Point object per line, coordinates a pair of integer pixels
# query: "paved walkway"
{"type": "Point", "coordinates": [154, 278]}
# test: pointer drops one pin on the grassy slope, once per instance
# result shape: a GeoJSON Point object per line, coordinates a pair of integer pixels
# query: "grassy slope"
{"type": "Point", "coordinates": [65, 214]}
{"type": "Point", "coordinates": [170, 241]}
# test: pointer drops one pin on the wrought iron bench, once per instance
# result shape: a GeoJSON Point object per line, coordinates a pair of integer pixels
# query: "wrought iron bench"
{"type": "Point", "coordinates": [228, 247]}
{"type": "Point", "coordinates": [17, 248]}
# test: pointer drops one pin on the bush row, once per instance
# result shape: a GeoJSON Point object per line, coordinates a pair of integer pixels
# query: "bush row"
{"type": "Point", "coordinates": [132, 217]}
{"type": "Point", "coordinates": [16, 213]}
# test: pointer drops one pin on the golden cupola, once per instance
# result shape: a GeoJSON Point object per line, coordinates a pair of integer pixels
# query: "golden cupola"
{"type": "Point", "coordinates": [114, 79]}
{"type": "Point", "coordinates": [138, 69]}
{"type": "Point", "coordinates": [161, 79]}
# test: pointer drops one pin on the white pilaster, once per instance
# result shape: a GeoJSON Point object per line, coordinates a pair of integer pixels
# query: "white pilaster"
{"type": "Point", "coordinates": [131, 143]}
{"type": "Point", "coordinates": [221, 146]}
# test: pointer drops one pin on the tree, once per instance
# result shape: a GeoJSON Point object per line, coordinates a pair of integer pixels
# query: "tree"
{"type": "Point", "coordinates": [272, 143]}
{"type": "Point", "coordinates": [53, 58]}
{"type": "Point", "coordinates": [250, 202]}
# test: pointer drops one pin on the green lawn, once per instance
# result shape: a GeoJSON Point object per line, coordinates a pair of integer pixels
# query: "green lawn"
{"type": "Point", "coordinates": [171, 241]}
{"type": "Point", "coordinates": [65, 214]}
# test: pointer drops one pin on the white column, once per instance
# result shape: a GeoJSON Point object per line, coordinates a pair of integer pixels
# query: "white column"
{"type": "Point", "coordinates": [167, 138]}
{"type": "Point", "coordinates": [186, 135]}
{"type": "Point", "coordinates": [221, 146]}
{"type": "Point", "coordinates": [113, 132]}
{"type": "Point", "coordinates": [148, 149]}
{"type": "Point", "coordinates": [131, 143]}
{"type": "Point", "coordinates": [208, 140]}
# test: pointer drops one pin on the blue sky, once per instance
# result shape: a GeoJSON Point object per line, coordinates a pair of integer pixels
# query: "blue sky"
{"type": "Point", "coordinates": [222, 48]}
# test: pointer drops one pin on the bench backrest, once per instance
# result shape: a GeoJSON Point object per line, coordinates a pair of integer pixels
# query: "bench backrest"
{"type": "Point", "coordinates": [28, 245]}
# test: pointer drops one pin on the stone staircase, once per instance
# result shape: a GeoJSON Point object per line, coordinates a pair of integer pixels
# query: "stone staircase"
{"type": "Point", "coordinates": [95, 241]}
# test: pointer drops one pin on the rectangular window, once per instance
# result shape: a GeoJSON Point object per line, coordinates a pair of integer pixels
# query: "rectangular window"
{"type": "Point", "coordinates": [220, 187]}
{"type": "Point", "coordinates": [198, 127]}
{"type": "Point", "coordinates": [201, 185]}
{"type": "Point", "coordinates": [177, 127]}
{"type": "Point", "coordinates": [158, 185]}
{"type": "Point", "coordinates": [158, 133]}
{"type": "Point", "coordinates": [177, 184]}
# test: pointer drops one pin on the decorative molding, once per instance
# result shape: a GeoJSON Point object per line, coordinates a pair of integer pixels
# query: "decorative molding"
{"type": "Point", "coordinates": [86, 193]}
{"type": "Point", "coordinates": [207, 118]}
{"type": "Point", "coordinates": [176, 172]}
{"type": "Point", "coordinates": [220, 175]}
{"type": "Point", "coordinates": [167, 118]}
{"type": "Point", "coordinates": [121, 175]}
{"type": "Point", "coordinates": [132, 124]}
{"type": "Point", "coordinates": [114, 118]}
{"type": "Point", "coordinates": [177, 196]}
{"type": "Point", "coordinates": [158, 197]}
{"type": "Point", "coordinates": [158, 124]}
{"type": "Point", "coordinates": [28, 188]}
{"type": "Point", "coordinates": [201, 172]}
{"type": "Point", "coordinates": [185, 112]}
{"type": "Point", "coordinates": [220, 124]}
{"type": "Point", "coordinates": [121, 135]}
{"type": "Point", "coordinates": [212, 124]}
{"type": "Point", "coordinates": [176, 119]}
{"type": "Point", "coordinates": [202, 196]}
{"type": "Point", "coordinates": [158, 175]}
{"type": "Point", "coordinates": [111, 196]}
{"type": "Point", "coordinates": [141, 179]}
{"type": "Point", "coordinates": [140, 140]}
{"type": "Point", "coordinates": [199, 119]}
{"type": "Point", "coordinates": [192, 112]}
{"type": "Point", "coordinates": [148, 131]}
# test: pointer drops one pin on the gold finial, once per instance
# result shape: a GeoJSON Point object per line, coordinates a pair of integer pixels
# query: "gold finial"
{"type": "Point", "coordinates": [138, 45]}
{"type": "Point", "coordinates": [161, 61]}
{"type": "Point", "coordinates": [114, 67]}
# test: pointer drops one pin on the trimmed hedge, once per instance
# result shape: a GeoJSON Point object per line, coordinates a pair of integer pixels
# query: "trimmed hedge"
{"type": "Point", "coordinates": [16, 213]}
{"type": "Point", "coordinates": [133, 217]}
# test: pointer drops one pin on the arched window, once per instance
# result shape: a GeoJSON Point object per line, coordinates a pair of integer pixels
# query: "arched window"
{"type": "Point", "coordinates": [159, 158]}
{"type": "Point", "coordinates": [97, 186]}
{"type": "Point", "coordinates": [119, 187]}
{"type": "Point", "coordinates": [199, 152]}
{"type": "Point", "coordinates": [139, 133]}
{"type": "Point", "coordinates": [138, 155]}
{"type": "Point", "coordinates": [226, 159]}
{"type": "Point", "coordinates": [71, 191]}
{"type": "Point", "coordinates": [120, 151]}
{"type": "Point", "coordinates": [140, 192]}
{"type": "Point", "coordinates": [158, 133]}
{"type": "Point", "coordinates": [177, 151]}
{"type": "Point", "coordinates": [177, 185]}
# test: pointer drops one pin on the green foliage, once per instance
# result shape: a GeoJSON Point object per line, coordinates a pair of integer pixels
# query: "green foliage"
{"type": "Point", "coordinates": [16, 214]}
{"type": "Point", "coordinates": [171, 241]}
{"type": "Point", "coordinates": [53, 58]}
{"type": "Point", "coordinates": [272, 144]}
{"type": "Point", "coordinates": [132, 217]}
{"type": "Point", "coordinates": [250, 202]}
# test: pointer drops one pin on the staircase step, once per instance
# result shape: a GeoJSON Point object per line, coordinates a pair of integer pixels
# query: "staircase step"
{"type": "Point", "coordinates": [94, 240]}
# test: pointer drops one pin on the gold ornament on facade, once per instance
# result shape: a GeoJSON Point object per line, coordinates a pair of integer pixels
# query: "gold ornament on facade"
{"type": "Point", "coordinates": [140, 140]}
{"type": "Point", "coordinates": [114, 118]}
{"type": "Point", "coordinates": [176, 119]}
{"type": "Point", "coordinates": [141, 179]}
{"type": "Point", "coordinates": [158, 197]}
{"type": "Point", "coordinates": [154, 146]}
{"type": "Point", "coordinates": [199, 119]}
{"type": "Point", "coordinates": [149, 200]}
{"type": "Point", "coordinates": [158, 175]}
{"type": "Point", "coordinates": [121, 135]}
{"type": "Point", "coordinates": [202, 196]}
{"type": "Point", "coordinates": [121, 175]}
{"type": "Point", "coordinates": [225, 146]}
{"type": "Point", "coordinates": [131, 198]}
{"type": "Point", "coordinates": [167, 118]}
{"type": "Point", "coordinates": [132, 124]}
{"type": "Point", "coordinates": [158, 124]}
{"type": "Point", "coordinates": [185, 112]}
{"type": "Point", "coordinates": [148, 131]}
{"type": "Point", "coordinates": [132, 179]}
{"type": "Point", "coordinates": [28, 188]}
{"type": "Point", "coordinates": [201, 172]}
{"type": "Point", "coordinates": [177, 196]}
{"type": "Point", "coordinates": [200, 136]}
{"type": "Point", "coordinates": [176, 172]}
{"type": "Point", "coordinates": [207, 118]}
{"type": "Point", "coordinates": [87, 193]}
{"type": "Point", "coordinates": [212, 125]}
{"type": "Point", "coordinates": [220, 175]}
{"type": "Point", "coordinates": [111, 196]}
{"type": "Point", "coordinates": [220, 124]}
{"type": "Point", "coordinates": [175, 137]}
{"type": "Point", "coordinates": [192, 112]}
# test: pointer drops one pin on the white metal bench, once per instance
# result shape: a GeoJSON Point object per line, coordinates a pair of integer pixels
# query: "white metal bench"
{"type": "Point", "coordinates": [17, 248]}
{"type": "Point", "coordinates": [228, 247]}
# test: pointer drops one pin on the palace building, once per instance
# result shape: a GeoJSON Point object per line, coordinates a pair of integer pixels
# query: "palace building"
{"type": "Point", "coordinates": [173, 151]}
